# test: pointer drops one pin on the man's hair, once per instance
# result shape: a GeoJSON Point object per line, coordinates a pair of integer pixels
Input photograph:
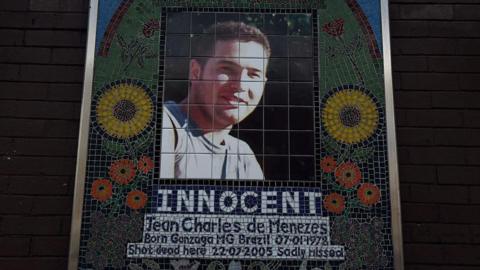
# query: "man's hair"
{"type": "Point", "coordinates": [227, 31]}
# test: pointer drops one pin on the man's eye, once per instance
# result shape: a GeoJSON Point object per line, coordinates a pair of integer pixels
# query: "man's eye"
{"type": "Point", "coordinates": [254, 75]}
{"type": "Point", "coordinates": [226, 70]}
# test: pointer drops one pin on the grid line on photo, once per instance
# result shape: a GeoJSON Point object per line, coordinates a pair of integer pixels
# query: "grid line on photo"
{"type": "Point", "coordinates": [160, 94]}
{"type": "Point", "coordinates": [262, 127]}
{"type": "Point", "coordinates": [316, 98]}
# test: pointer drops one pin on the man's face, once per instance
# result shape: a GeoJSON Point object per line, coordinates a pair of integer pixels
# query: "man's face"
{"type": "Point", "coordinates": [230, 85]}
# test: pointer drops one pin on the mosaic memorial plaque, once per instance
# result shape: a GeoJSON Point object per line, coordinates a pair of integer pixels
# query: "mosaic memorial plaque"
{"type": "Point", "coordinates": [247, 134]}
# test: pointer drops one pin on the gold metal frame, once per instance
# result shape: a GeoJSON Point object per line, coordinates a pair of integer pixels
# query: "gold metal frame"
{"type": "Point", "coordinates": [391, 141]}
{"type": "Point", "coordinates": [85, 120]}
{"type": "Point", "coordinates": [83, 139]}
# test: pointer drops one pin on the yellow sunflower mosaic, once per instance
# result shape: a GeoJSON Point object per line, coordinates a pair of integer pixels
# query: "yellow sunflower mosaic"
{"type": "Point", "coordinates": [350, 116]}
{"type": "Point", "coordinates": [124, 110]}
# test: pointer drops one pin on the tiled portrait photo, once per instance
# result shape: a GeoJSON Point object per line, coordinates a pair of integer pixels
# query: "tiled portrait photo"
{"type": "Point", "coordinates": [238, 96]}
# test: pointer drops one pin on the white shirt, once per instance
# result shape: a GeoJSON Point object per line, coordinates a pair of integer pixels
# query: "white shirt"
{"type": "Point", "coordinates": [198, 155]}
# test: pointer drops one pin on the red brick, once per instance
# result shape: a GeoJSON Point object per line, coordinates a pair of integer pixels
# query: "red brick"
{"type": "Point", "coordinates": [25, 55]}
{"type": "Point", "coordinates": [410, 266]}
{"type": "Point", "coordinates": [9, 72]}
{"type": "Point", "coordinates": [409, 63]}
{"type": "Point", "coordinates": [436, 194]}
{"type": "Point", "coordinates": [467, 12]}
{"type": "Point", "coordinates": [28, 225]}
{"type": "Point", "coordinates": [51, 73]}
{"type": "Point", "coordinates": [474, 195]}
{"type": "Point", "coordinates": [453, 29]}
{"type": "Point", "coordinates": [43, 20]}
{"type": "Point", "coordinates": [426, 12]}
{"type": "Point", "coordinates": [40, 109]}
{"type": "Point", "coordinates": [413, 100]}
{"type": "Point", "coordinates": [57, 205]}
{"type": "Point", "coordinates": [36, 128]}
{"type": "Point", "coordinates": [18, 5]}
{"type": "Point", "coordinates": [68, 56]}
{"type": "Point", "coordinates": [39, 147]}
{"type": "Point", "coordinates": [430, 118]}
{"type": "Point", "coordinates": [439, 155]}
{"type": "Point", "coordinates": [15, 37]}
{"type": "Point", "coordinates": [439, 233]}
{"type": "Point", "coordinates": [409, 29]}
{"type": "Point", "coordinates": [43, 5]}
{"type": "Point", "coordinates": [14, 204]}
{"type": "Point", "coordinates": [454, 63]}
{"type": "Point", "coordinates": [57, 38]}
{"type": "Point", "coordinates": [429, 81]}
{"type": "Point", "coordinates": [57, 246]}
{"type": "Point", "coordinates": [41, 91]}
{"type": "Point", "coordinates": [442, 254]}
{"type": "Point", "coordinates": [457, 137]}
{"type": "Point", "coordinates": [440, 213]}
{"type": "Point", "coordinates": [472, 118]}
{"type": "Point", "coordinates": [37, 263]}
{"type": "Point", "coordinates": [18, 165]}
{"type": "Point", "coordinates": [459, 175]}
{"type": "Point", "coordinates": [468, 46]}
{"type": "Point", "coordinates": [37, 185]}
{"type": "Point", "coordinates": [14, 246]}
{"type": "Point", "coordinates": [59, 5]}
{"type": "Point", "coordinates": [454, 100]}
{"type": "Point", "coordinates": [436, 1]}
{"type": "Point", "coordinates": [423, 46]}
{"type": "Point", "coordinates": [470, 81]}
{"type": "Point", "coordinates": [415, 136]}
{"type": "Point", "coordinates": [417, 174]}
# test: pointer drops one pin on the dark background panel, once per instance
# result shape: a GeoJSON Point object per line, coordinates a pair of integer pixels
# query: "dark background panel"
{"type": "Point", "coordinates": [277, 70]}
{"type": "Point", "coordinates": [201, 21]}
{"type": "Point", "coordinates": [175, 90]}
{"type": "Point", "coordinates": [437, 87]}
{"type": "Point", "coordinates": [177, 45]}
{"type": "Point", "coordinates": [301, 142]}
{"type": "Point", "coordinates": [276, 142]}
{"type": "Point", "coordinates": [253, 121]}
{"type": "Point", "coordinates": [300, 46]}
{"type": "Point", "coordinates": [278, 46]}
{"type": "Point", "coordinates": [254, 138]}
{"type": "Point", "coordinates": [178, 22]}
{"type": "Point", "coordinates": [276, 93]}
{"type": "Point", "coordinates": [301, 118]}
{"type": "Point", "coordinates": [276, 117]}
{"type": "Point", "coordinates": [301, 94]}
{"type": "Point", "coordinates": [177, 68]}
{"type": "Point", "coordinates": [276, 167]}
{"type": "Point", "coordinates": [302, 167]}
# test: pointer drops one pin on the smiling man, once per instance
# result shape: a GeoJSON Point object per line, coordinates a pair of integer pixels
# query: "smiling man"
{"type": "Point", "coordinates": [224, 89]}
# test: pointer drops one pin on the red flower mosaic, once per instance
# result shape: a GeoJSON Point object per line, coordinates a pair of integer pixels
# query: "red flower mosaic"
{"type": "Point", "coordinates": [348, 174]}
{"type": "Point", "coordinates": [328, 164]}
{"type": "Point", "coordinates": [334, 203]}
{"type": "Point", "coordinates": [368, 194]}
{"type": "Point", "coordinates": [145, 164]}
{"type": "Point", "coordinates": [101, 190]}
{"type": "Point", "coordinates": [136, 199]}
{"type": "Point", "coordinates": [150, 27]}
{"type": "Point", "coordinates": [122, 171]}
{"type": "Point", "coordinates": [334, 28]}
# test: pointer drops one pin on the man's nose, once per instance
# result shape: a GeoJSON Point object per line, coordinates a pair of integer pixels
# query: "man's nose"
{"type": "Point", "coordinates": [238, 83]}
{"type": "Point", "coordinates": [243, 80]}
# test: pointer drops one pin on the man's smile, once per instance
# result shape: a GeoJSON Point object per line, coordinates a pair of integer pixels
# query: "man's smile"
{"type": "Point", "coordinates": [234, 100]}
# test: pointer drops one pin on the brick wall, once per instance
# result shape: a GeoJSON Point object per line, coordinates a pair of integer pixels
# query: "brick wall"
{"type": "Point", "coordinates": [436, 64]}
{"type": "Point", "coordinates": [42, 47]}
